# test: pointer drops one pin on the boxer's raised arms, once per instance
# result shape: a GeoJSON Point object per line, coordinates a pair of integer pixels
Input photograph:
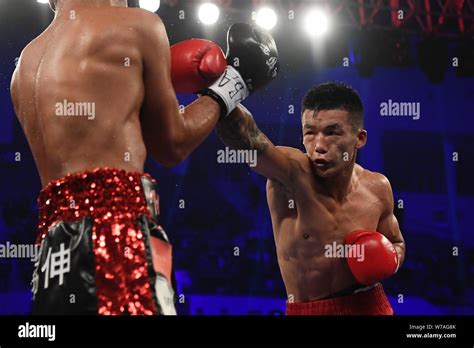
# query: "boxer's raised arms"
{"type": "Point", "coordinates": [94, 90]}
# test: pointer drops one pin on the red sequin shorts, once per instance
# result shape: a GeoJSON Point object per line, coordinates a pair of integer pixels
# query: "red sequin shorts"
{"type": "Point", "coordinates": [101, 249]}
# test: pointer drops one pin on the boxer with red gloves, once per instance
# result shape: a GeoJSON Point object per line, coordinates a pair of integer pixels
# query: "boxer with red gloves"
{"type": "Point", "coordinates": [379, 259]}
{"type": "Point", "coordinates": [335, 232]}
{"type": "Point", "coordinates": [92, 109]}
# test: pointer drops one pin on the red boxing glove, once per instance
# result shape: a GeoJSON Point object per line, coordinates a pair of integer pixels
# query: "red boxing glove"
{"type": "Point", "coordinates": [196, 64]}
{"type": "Point", "coordinates": [379, 258]}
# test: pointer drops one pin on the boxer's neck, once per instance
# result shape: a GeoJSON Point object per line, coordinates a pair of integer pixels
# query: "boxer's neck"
{"type": "Point", "coordinates": [339, 186]}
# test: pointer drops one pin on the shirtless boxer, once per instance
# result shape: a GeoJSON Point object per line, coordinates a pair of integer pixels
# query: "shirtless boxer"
{"type": "Point", "coordinates": [94, 94]}
{"type": "Point", "coordinates": [335, 200]}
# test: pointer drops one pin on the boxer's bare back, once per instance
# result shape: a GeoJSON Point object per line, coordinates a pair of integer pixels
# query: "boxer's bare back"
{"type": "Point", "coordinates": [94, 90]}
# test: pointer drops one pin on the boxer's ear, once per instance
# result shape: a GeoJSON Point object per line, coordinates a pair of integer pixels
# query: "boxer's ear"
{"type": "Point", "coordinates": [361, 138]}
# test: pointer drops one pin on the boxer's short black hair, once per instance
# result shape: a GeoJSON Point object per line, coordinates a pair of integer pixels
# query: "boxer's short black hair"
{"type": "Point", "coordinates": [335, 95]}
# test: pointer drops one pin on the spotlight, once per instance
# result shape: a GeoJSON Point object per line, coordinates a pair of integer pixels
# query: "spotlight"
{"type": "Point", "coordinates": [150, 5]}
{"type": "Point", "coordinates": [316, 23]}
{"type": "Point", "coordinates": [266, 18]}
{"type": "Point", "coordinates": [208, 13]}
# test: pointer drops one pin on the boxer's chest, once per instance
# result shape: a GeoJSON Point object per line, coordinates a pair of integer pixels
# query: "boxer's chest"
{"type": "Point", "coordinates": [322, 218]}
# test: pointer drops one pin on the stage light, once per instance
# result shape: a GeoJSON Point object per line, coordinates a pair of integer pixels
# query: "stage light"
{"type": "Point", "coordinates": [316, 23]}
{"type": "Point", "coordinates": [208, 13]}
{"type": "Point", "coordinates": [150, 5]}
{"type": "Point", "coordinates": [266, 18]}
{"type": "Point", "coordinates": [42, 1]}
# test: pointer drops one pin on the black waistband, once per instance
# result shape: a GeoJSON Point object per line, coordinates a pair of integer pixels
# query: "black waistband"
{"type": "Point", "coordinates": [349, 291]}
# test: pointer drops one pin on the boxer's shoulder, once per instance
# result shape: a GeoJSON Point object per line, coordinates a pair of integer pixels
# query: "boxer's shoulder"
{"type": "Point", "coordinates": [34, 46]}
{"type": "Point", "coordinates": [296, 156]}
{"type": "Point", "coordinates": [143, 19]}
{"type": "Point", "coordinates": [133, 19]}
{"type": "Point", "coordinates": [27, 62]}
{"type": "Point", "coordinates": [375, 182]}
{"type": "Point", "coordinates": [125, 13]}
{"type": "Point", "coordinates": [298, 162]}
{"type": "Point", "coordinates": [148, 26]}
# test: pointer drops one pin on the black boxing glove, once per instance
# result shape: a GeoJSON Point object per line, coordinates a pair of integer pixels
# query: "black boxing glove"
{"type": "Point", "coordinates": [252, 59]}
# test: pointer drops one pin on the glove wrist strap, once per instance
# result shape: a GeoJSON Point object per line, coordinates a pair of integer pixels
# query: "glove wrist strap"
{"type": "Point", "coordinates": [229, 90]}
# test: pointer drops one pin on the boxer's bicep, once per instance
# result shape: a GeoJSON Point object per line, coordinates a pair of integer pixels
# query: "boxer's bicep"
{"type": "Point", "coordinates": [389, 227]}
{"type": "Point", "coordinates": [162, 123]}
{"type": "Point", "coordinates": [388, 223]}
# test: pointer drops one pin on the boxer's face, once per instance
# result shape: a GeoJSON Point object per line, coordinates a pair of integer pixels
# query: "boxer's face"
{"type": "Point", "coordinates": [330, 140]}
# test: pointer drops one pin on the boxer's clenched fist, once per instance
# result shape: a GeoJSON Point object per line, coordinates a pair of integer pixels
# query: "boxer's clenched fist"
{"type": "Point", "coordinates": [252, 59]}
{"type": "Point", "coordinates": [196, 64]}
{"type": "Point", "coordinates": [380, 257]}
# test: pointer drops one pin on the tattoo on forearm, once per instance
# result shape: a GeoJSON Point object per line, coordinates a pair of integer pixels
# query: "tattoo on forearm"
{"type": "Point", "coordinates": [241, 132]}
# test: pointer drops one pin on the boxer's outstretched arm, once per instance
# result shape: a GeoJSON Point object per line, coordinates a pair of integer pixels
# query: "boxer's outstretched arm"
{"type": "Point", "coordinates": [388, 224]}
{"type": "Point", "coordinates": [239, 131]}
{"type": "Point", "coordinates": [169, 135]}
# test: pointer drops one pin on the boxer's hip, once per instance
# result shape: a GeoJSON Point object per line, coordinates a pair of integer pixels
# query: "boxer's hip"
{"type": "Point", "coordinates": [99, 243]}
{"type": "Point", "coordinates": [371, 301]}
